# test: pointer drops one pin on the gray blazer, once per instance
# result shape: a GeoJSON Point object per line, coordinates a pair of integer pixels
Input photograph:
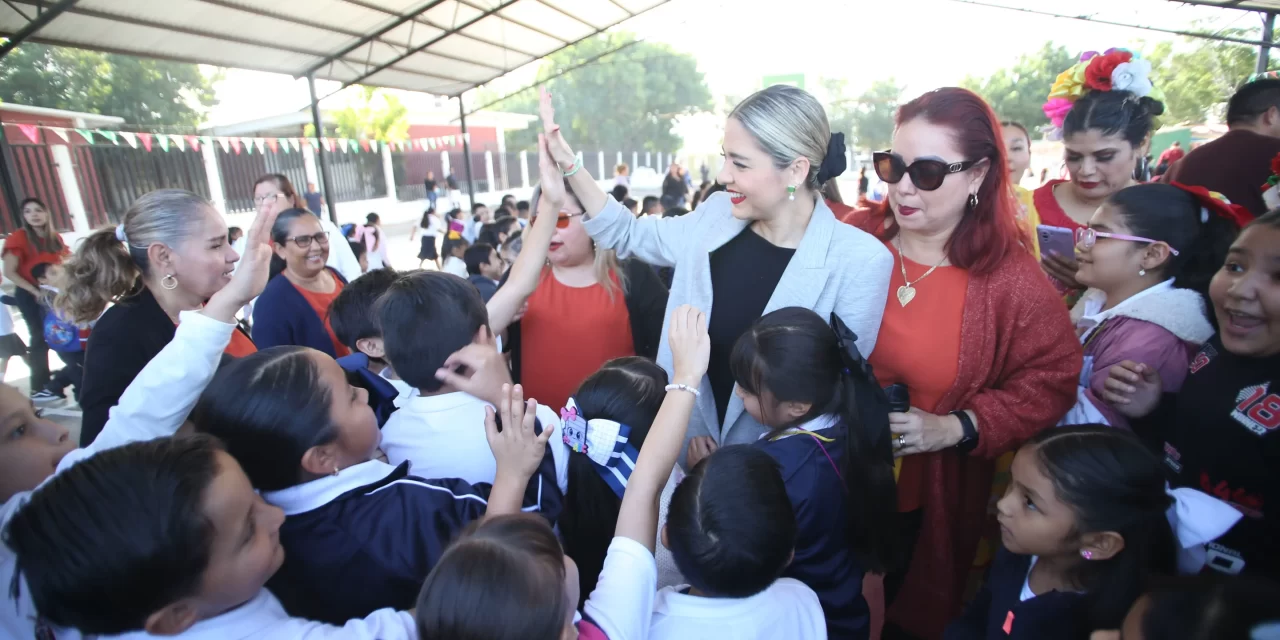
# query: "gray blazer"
{"type": "Point", "coordinates": [835, 268]}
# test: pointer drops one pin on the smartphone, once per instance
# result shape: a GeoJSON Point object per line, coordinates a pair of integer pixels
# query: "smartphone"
{"type": "Point", "coordinates": [1056, 240]}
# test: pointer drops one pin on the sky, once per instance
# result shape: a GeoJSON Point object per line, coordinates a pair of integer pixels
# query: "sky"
{"type": "Point", "coordinates": [923, 44]}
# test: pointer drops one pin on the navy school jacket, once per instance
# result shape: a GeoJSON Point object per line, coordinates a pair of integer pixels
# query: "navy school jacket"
{"type": "Point", "coordinates": [998, 611]}
{"type": "Point", "coordinates": [367, 538]}
{"type": "Point", "coordinates": [382, 394]}
{"type": "Point", "coordinates": [281, 316]}
{"type": "Point", "coordinates": [823, 559]}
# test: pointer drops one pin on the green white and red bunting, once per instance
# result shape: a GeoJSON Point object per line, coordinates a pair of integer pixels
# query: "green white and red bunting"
{"type": "Point", "coordinates": [165, 142]}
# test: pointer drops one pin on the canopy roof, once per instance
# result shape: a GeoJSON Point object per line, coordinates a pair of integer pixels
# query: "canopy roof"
{"type": "Point", "coordinates": [1268, 6]}
{"type": "Point", "coordinates": [443, 47]}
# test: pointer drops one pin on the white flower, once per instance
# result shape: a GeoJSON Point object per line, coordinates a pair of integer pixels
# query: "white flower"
{"type": "Point", "coordinates": [1132, 76]}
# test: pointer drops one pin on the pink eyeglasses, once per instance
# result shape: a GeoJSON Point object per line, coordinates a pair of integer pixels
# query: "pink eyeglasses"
{"type": "Point", "coordinates": [1086, 237]}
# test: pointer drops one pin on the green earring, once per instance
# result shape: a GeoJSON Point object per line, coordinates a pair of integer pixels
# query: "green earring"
{"type": "Point", "coordinates": [791, 193]}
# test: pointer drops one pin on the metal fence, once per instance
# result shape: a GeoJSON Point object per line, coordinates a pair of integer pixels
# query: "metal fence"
{"type": "Point", "coordinates": [410, 168]}
{"type": "Point", "coordinates": [240, 170]}
{"type": "Point", "coordinates": [34, 176]}
{"type": "Point", "coordinates": [124, 173]}
{"type": "Point", "coordinates": [357, 176]}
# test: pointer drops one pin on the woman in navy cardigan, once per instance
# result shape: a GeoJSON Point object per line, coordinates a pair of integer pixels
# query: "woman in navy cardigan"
{"type": "Point", "coordinates": [294, 308]}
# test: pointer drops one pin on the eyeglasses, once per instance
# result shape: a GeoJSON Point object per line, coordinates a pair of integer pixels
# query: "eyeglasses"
{"type": "Point", "coordinates": [562, 220]}
{"type": "Point", "coordinates": [304, 242]}
{"type": "Point", "coordinates": [271, 198]}
{"type": "Point", "coordinates": [927, 175]}
{"type": "Point", "coordinates": [1086, 237]}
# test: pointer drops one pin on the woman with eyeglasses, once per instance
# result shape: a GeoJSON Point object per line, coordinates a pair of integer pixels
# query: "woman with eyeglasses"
{"type": "Point", "coordinates": [583, 309]}
{"type": "Point", "coordinates": [1147, 256]}
{"type": "Point", "coordinates": [294, 308]}
{"type": "Point", "coordinates": [768, 242]}
{"type": "Point", "coordinates": [169, 254]}
{"type": "Point", "coordinates": [274, 191]}
{"type": "Point", "coordinates": [971, 327]}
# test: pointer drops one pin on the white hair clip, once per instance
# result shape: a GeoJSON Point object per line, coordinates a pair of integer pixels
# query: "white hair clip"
{"type": "Point", "coordinates": [120, 234]}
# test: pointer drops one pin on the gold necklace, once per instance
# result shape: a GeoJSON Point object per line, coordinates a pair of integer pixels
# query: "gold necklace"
{"type": "Point", "coordinates": [907, 292]}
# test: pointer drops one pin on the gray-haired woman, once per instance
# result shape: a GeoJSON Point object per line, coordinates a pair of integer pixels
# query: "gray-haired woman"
{"type": "Point", "coordinates": [768, 242]}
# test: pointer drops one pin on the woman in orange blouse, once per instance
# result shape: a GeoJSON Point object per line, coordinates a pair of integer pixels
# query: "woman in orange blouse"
{"type": "Point", "coordinates": [974, 330]}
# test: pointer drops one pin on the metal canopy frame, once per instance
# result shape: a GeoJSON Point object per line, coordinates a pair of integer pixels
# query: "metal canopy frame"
{"type": "Point", "coordinates": [443, 47]}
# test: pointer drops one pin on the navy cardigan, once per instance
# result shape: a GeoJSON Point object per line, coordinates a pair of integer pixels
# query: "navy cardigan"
{"type": "Point", "coordinates": [281, 316]}
{"type": "Point", "coordinates": [999, 613]}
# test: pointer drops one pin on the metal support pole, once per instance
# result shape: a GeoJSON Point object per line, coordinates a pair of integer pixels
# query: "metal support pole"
{"type": "Point", "coordinates": [46, 16]}
{"type": "Point", "coordinates": [466, 152]}
{"type": "Point", "coordinates": [326, 178]}
{"type": "Point", "coordinates": [6, 180]}
{"type": "Point", "coordinates": [1264, 52]}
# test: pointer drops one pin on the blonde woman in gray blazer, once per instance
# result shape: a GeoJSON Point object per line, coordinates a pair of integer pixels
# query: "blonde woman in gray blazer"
{"type": "Point", "coordinates": [768, 242]}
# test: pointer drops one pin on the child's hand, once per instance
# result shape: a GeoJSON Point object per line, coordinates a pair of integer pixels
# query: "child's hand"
{"type": "Point", "coordinates": [251, 276]}
{"type": "Point", "coordinates": [1133, 389]}
{"type": "Point", "coordinates": [484, 370]}
{"type": "Point", "coordinates": [690, 345]}
{"type": "Point", "coordinates": [516, 448]}
{"type": "Point", "coordinates": [699, 448]}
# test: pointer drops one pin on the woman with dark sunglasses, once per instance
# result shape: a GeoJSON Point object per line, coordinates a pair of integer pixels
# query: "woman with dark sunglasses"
{"type": "Point", "coordinates": [768, 242]}
{"type": "Point", "coordinates": [581, 305]}
{"type": "Point", "coordinates": [972, 328]}
{"type": "Point", "coordinates": [294, 308]}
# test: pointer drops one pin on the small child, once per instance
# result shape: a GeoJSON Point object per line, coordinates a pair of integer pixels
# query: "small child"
{"type": "Point", "coordinates": [484, 268]}
{"type": "Point", "coordinates": [361, 253]}
{"type": "Point", "coordinates": [828, 425]}
{"type": "Point", "coordinates": [62, 336]}
{"type": "Point", "coordinates": [360, 534]}
{"type": "Point", "coordinates": [356, 325]}
{"type": "Point", "coordinates": [455, 247]}
{"type": "Point", "coordinates": [508, 577]}
{"type": "Point", "coordinates": [1084, 525]}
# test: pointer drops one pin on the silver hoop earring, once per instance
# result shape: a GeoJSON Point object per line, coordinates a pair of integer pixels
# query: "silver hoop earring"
{"type": "Point", "coordinates": [166, 282]}
{"type": "Point", "coordinates": [973, 201]}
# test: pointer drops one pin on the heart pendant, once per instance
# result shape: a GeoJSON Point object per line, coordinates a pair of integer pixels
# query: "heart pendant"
{"type": "Point", "coordinates": [906, 293]}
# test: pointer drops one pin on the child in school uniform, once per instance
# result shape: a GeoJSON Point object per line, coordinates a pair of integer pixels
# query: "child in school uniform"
{"type": "Point", "coordinates": [1086, 522]}
{"type": "Point", "coordinates": [11, 344]}
{"type": "Point", "coordinates": [529, 587]}
{"type": "Point", "coordinates": [360, 534]}
{"type": "Point", "coordinates": [355, 323]}
{"type": "Point", "coordinates": [1210, 606]}
{"type": "Point", "coordinates": [1221, 432]}
{"type": "Point", "coordinates": [69, 558]}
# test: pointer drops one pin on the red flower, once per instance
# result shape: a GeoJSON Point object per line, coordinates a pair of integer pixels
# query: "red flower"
{"type": "Point", "coordinates": [1275, 165]}
{"type": "Point", "coordinates": [1098, 74]}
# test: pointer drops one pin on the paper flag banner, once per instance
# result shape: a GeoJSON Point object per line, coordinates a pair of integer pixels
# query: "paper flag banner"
{"type": "Point", "coordinates": [130, 139]}
{"type": "Point", "coordinates": [364, 144]}
{"type": "Point", "coordinates": [466, 137]}
{"type": "Point", "coordinates": [60, 132]}
{"type": "Point", "coordinates": [163, 141]}
{"type": "Point", "coordinates": [146, 140]}
{"type": "Point", "coordinates": [110, 135]}
{"type": "Point", "coordinates": [194, 143]}
{"type": "Point", "coordinates": [31, 131]}
{"type": "Point", "coordinates": [226, 145]}
{"type": "Point", "coordinates": [284, 144]}
{"type": "Point", "coordinates": [432, 143]}
{"type": "Point", "coordinates": [261, 144]}
{"type": "Point", "coordinates": [296, 144]}
{"type": "Point", "coordinates": [206, 141]}
{"type": "Point", "coordinates": [330, 143]}
{"type": "Point", "coordinates": [86, 134]}
{"type": "Point", "coordinates": [248, 144]}
{"type": "Point", "coordinates": [178, 142]}
{"type": "Point", "coordinates": [235, 145]}
{"type": "Point", "coordinates": [274, 144]}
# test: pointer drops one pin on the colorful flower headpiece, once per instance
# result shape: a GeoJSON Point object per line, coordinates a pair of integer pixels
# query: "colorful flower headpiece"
{"type": "Point", "coordinates": [1114, 70]}
{"type": "Point", "coordinates": [1275, 174]}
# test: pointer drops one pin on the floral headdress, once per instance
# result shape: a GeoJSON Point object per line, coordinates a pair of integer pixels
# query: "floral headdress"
{"type": "Point", "coordinates": [1114, 70]}
{"type": "Point", "coordinates": [1271, 195]}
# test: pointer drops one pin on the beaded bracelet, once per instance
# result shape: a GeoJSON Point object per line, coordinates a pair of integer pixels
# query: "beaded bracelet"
{"type": "Point", "coordinates": [684, 387]}
{"type": "Point", "coordinates": [573, 169]}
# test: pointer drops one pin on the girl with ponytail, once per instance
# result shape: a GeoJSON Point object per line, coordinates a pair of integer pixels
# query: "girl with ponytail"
{"type": "Point", "coordinates": [828, 424]}
{"type": "Point", "coordinates": [1147, 256]}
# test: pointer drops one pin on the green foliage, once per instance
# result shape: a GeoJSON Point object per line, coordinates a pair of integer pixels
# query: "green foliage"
{"type": "Point", "coordinates": [142, 91]}
{"type": "Point", "coordinates": [867, 119]}
{"type": "Point", "coordinates": [623, 101]}
{"type": "Point", "coordinates": [1199, 76]}
{"type": "Point", "coordinates": [375, 116]}
{"type": "Point", "coordinates": [1018, 92]}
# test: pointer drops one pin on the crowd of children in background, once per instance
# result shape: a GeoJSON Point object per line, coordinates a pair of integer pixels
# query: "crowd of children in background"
{"type": "Point", "coordinates": [367, 468]}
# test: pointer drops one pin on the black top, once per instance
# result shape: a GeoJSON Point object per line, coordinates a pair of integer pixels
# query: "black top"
{"type": "Point", "coordinates": [744, 273]}
{"type": "Point", "coordinates": [1220, 435]}
{"type": "Point", "coordinates": [429, 184]}
{"type": "Point", "coordinates": [998, 612]}
{"type": "Point", "coordinates": [673, 187]}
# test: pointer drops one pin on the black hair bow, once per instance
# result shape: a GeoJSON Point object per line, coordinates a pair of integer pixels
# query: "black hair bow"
{"type": "Point", "coordinates": [834, 163]}
{"type": "Point", "coordinates": [849, 354]}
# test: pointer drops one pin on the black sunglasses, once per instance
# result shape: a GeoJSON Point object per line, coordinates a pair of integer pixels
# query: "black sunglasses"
{"type": "Point", "coordinates": [927, 175]}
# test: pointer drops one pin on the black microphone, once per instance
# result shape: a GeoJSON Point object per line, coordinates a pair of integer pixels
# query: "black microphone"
{"type": "Point", "coordinates": [899, 398]}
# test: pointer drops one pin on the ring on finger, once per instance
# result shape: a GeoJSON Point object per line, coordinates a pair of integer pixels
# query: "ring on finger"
{"type": "Point", "coordinates": [902, 441]}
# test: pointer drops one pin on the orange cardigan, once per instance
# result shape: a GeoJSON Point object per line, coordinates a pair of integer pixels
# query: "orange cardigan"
{"type": "Point", "coordinates": [1019, 366]}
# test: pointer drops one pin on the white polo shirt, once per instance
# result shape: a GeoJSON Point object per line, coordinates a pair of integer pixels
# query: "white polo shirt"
{"type": "Point", "coordinates": [787, 609]}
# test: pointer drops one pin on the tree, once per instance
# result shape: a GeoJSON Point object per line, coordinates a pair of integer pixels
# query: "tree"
{"type": "Point", "coordinates": [375, 116]}
{"type": "Point", "coordinates": [142, 91]}
{"type": "Point", "coordinates": [1199, 77]}
{"type": "Point", "coordinates": [872, 119]}
{"type": "Point", "coordinates": [624, 100]}
{"type": "Point", "coordinates": [1018, 92]}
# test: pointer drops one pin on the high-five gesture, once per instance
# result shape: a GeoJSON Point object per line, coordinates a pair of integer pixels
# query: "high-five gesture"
{"type": "Point", "coordinates": [251, 276]}
{"type": "Point", "coordinates": [559, 149]}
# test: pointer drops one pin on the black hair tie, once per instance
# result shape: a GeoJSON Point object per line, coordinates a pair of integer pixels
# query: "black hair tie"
{"type": "Point", "coordinates": [834, 163]}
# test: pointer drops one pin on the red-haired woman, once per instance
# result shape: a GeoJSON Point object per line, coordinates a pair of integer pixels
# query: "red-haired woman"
{"type": "Point", "coordinates": [972, 327]}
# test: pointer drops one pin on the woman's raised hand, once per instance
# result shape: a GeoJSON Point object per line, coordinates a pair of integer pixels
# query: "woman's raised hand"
{"type": "Point", "coordinates": [556, 145]}
{"type": "Point", "coordinates": [550, 179]}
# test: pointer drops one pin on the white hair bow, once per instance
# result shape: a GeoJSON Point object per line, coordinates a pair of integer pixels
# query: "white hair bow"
{"type": "Point", "coordinates": [1197, 519]}
{"type": "Point", "coordinates": [605, 442]}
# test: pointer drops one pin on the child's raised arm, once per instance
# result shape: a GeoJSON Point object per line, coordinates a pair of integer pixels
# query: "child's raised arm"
{"type": "Point", "coordinates": [690, 351]}
{"type": "Point", "coordinates": [523, 279]}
